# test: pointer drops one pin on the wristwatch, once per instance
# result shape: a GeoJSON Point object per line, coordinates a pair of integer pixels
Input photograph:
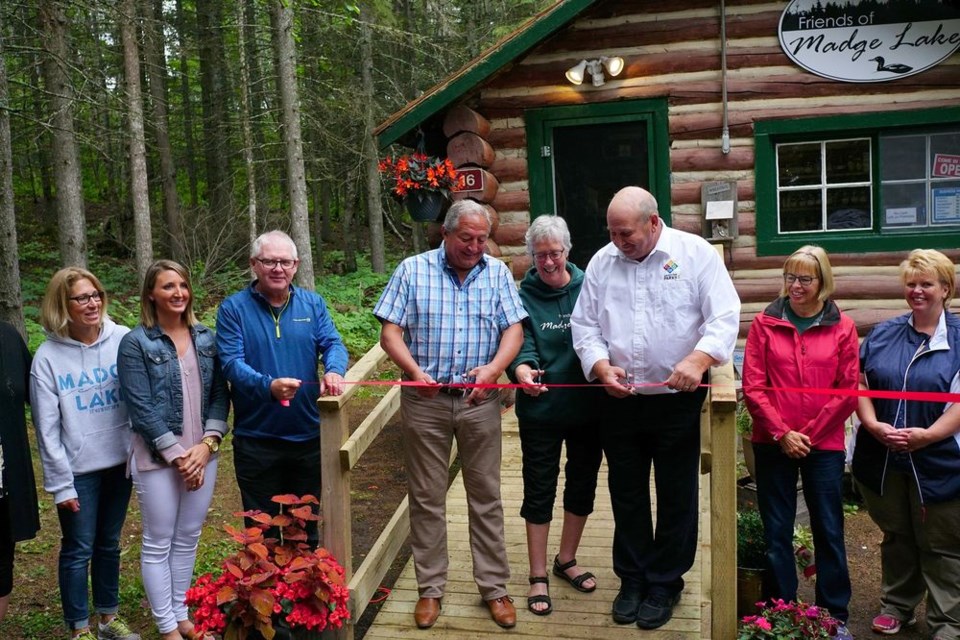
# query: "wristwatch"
{"type": "Point", "coordinates": [212, 443]}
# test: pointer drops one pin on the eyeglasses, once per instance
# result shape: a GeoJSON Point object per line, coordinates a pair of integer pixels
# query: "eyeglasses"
{"type": "Point", "coordinates": [85, 298]}
{"type": "Point", "coordinates": [805, 281]}
{"type": "Point", "coordinates": [272, 264]}
{"type": "Point", "coordinates": [553, 255]}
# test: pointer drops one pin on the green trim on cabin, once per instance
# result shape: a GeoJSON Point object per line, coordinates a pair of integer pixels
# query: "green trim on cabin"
{"type": "Point", "coordinates": [481, 69]}
{"type": "Point", "coordinates": [539, 124]}
{"type": "Point", "coordinates": [769, 132]}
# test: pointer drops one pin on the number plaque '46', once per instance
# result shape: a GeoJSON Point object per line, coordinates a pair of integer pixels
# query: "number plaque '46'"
{"type": "Point", "coordinates": [469, 180]}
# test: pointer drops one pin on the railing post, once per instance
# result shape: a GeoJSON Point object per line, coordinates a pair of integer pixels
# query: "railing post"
{"type": "Point", "coordinates": [723, 500]}
{"type": "Point", "coordinates": [335, 501]}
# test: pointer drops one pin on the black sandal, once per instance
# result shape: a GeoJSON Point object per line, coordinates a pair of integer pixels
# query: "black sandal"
{"type": "Point", "coordinates": [560, 570]}
{"type": "Point", "coordinates": [542, 598]}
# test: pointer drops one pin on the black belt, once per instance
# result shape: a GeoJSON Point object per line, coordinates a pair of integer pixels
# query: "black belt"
{"type": "Point", "coordinates": [458, 392]}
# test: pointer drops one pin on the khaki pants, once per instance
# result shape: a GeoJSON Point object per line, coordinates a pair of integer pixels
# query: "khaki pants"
{"type": "Point", "coordinates": [919, 552]}
{"type": "Point", "coordinates": [429, 426]}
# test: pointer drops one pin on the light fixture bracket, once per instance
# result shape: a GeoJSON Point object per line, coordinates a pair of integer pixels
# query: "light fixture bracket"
{"type": "Point", "coordinates": [612, 64]}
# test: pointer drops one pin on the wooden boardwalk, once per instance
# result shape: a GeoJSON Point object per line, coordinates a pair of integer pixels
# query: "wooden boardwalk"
{"type": "Point", "coordinates": [575, 615]}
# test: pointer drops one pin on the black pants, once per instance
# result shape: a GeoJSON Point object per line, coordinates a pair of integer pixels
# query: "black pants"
{"type": "Point", "coordinates": [662, 431]}
{"type": "Point", "coordinates": [6, 546]}
{"type": "Point", "coordinates": [271, 467]}
{"type": "Point", "coordinates": [541, 446]}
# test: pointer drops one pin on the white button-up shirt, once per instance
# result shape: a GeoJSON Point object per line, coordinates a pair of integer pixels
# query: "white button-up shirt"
{"type": "Point", "coordinates": [647, 316]}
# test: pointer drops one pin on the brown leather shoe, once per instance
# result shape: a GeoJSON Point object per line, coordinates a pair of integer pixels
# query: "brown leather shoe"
{"type": "Point", "coordinates": [426, 612]}
{"type": "Point", "coordinates": [503, 612]}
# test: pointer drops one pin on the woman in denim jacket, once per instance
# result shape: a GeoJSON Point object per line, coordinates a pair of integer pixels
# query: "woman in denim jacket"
{"type": "Point", "coordinates": [178, 403]}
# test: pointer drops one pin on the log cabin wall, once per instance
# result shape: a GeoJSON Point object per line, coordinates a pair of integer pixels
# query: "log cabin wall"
{"type": "Point", "coordinates": [672, 50]}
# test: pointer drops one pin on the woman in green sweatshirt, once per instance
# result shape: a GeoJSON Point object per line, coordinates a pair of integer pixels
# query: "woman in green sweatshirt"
{"type": "Point", "coordinates": [550, 417]}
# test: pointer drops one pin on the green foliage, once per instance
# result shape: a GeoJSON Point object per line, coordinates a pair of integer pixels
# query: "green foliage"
{"type": "Point", "coordinates": [350, 298]}
{"type": "Point", "coordinates": [744, 421]}
{"type": "Point", "coordinates": [34, 624]}
{"type": "Point", "coordinates": [751, 546]}
{"type": "Point", "coordinates": [211, 553]}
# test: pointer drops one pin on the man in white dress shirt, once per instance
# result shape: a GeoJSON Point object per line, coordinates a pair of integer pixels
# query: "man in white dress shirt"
{"type": "Point", "coordinates": [657, 309]}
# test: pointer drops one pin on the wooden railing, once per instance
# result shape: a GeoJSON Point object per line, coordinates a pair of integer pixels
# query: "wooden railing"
{"type": "Point", "coordinates": [340, 451]}
{"type": "Point", "coordinates": [718, 458]}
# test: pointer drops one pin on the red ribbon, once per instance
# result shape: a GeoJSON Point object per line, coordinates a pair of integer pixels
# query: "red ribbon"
{"type": "Point", "coordinates": [921, 396]}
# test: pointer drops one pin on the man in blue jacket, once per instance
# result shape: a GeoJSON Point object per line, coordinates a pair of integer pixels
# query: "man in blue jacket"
{"type": "Point", "coordinates": [270, 338]}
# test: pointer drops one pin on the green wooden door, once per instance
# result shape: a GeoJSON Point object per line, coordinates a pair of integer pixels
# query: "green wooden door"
{"type": "Point", "coordinates": [578, 157]}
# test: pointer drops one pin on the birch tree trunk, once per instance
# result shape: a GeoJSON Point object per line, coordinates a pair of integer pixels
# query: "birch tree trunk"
{"type": "Point", "coordinates": [374, 212]}
{"type": "Point", "coordinates": [139, 190]}
{"type": "Point", "coordinates": [248, 162]}
{"type": "Point", "coordinates": [259, 101]}
{"type": "Point", "coordinates": [282, 18]}
{"type": "Point", "coordinates": [153, 43]}
{"type": "Point", "coordinates": [66, 164]}
{"type": "Point", "coordinates": [11, 303]}
{"type": "Point", "coordinates": [346, 222]}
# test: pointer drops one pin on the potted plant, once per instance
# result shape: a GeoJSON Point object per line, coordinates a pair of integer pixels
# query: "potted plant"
{"type": "Point", "coordinates": [423, 183]}
{"type": "Point", "coordinates": [273, 587]}
{"type": "Point", "coordinates": [785, 620]}
{"type": "Point", "coordinates": [751, 560]}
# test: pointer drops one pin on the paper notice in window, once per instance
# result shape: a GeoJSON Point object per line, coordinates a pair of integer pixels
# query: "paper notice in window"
{"type": "Point", "coordinates": [946, 205]}
{"type": "Point", "coordinates": [901, 215]}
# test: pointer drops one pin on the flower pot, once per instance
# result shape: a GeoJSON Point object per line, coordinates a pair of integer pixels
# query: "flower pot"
{"type": "Point", "coordinates": [749, 590]}
{"type": "Point", "coordinates": [423, 205]}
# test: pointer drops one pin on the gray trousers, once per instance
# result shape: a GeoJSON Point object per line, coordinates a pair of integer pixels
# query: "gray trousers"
{"type": "Point", "coordinates": [919, 553]}
{"type": "Point", "coordinates": [429, 426]}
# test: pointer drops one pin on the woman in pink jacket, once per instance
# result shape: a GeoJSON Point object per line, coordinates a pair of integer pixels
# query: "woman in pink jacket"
{"type": "Point", "coordinates": [802, 340]}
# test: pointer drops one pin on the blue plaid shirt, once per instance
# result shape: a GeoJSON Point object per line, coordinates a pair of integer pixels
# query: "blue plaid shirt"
{"type": "Point", "coordinates": [449, 327]}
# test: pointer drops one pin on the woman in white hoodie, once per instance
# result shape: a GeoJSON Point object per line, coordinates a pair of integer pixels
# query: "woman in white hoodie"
{"type": "Point", "coordinates": [83, 434]}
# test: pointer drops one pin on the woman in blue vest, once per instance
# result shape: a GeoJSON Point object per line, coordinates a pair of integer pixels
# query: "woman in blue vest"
{"type": "Point", "coordinates": [907, 456]}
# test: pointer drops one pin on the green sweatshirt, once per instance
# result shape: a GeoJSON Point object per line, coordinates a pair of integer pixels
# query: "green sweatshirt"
{"type": "Point", "coordinates": [547, 345]}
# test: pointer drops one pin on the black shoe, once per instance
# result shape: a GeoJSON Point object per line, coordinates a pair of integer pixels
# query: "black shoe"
{"type": "Point", "coordinates": [656, 609]}
{"type": "Point", "coordinates": [626, 604]}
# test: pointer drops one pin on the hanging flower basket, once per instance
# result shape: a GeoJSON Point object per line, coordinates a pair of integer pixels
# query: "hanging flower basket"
{"type": "Point", "coordinates": [423, 183]}
{"type": "Point", "coordinates": [424, 206]}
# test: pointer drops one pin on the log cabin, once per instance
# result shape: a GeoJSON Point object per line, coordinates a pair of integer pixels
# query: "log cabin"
{"type": "Point", "coordinates": [762, 125]}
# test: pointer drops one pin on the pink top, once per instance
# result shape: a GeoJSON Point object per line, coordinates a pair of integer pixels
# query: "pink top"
{"type": "Point", "coordinates": [192, 425]}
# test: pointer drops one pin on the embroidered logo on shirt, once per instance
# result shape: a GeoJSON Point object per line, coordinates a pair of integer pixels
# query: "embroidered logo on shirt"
{"type": "Point", "coordinates": [672, 269]}
{"type": "Point", "coordinates": [301, 319]}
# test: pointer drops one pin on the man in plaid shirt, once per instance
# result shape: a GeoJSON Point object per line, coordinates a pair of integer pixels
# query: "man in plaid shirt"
{"type": "Point", "coordinates": [451, 321]}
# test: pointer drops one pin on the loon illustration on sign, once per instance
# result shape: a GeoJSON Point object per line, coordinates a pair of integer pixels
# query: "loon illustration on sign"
{"type": "Point", "coordinates": [869, 40]}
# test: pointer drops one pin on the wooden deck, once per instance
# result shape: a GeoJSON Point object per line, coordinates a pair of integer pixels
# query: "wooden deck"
{"type": "Point", "coordinates": [575, 615]}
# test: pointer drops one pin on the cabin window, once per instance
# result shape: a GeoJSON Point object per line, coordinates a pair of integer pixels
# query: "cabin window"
{"type": "Point", "coordinates": [824, 186]}
{"type": "Point", "coordinates": [920, 180]}
{"type": "Point", "coordinates": [872, 182]}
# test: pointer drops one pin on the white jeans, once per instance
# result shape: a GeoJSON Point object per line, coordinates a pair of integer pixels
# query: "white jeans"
{"type": "Point", "coordinates": [172, 520]}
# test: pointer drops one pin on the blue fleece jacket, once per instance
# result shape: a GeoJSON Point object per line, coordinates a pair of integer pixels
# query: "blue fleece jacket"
{"type": "Point", "coordinates": [257, 344]}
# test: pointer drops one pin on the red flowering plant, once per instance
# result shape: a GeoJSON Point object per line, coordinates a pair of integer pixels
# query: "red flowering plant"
{"type": "Point", "coordinates": [787, 620]}
{"type": "Point", "coordinates": [418, 171]}
{"type": "Point", "coordinates": [271, 583]}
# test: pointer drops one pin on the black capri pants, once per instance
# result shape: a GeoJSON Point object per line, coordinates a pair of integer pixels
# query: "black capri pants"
{"type": "Point", "coordinates": [541, 445]}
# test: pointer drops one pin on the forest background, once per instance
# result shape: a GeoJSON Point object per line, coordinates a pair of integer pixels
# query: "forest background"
{"type": "Point", "coordinates": [132, 130]}
{"type": "Point", "coordinates": [138, 129]}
